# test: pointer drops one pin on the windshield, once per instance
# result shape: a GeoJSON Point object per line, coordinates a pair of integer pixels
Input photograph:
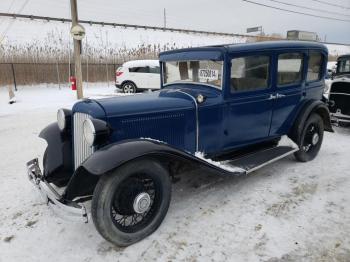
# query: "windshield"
{"type": "Point", "coordinates": [343, 66]}
{"type": "Point", "coordinates": [206, 72]}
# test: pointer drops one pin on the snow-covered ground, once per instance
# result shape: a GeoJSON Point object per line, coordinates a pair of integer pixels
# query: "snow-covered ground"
{"type": "Point", "coordinates": [50, 96]}
{"type": "Point", "coordinates": [287, 211]}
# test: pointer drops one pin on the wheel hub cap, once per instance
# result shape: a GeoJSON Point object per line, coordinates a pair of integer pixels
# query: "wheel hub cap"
{"type": "Point", "coordinates": [142, 202]}
{"type": "Point", "coordinates": [315, 139]}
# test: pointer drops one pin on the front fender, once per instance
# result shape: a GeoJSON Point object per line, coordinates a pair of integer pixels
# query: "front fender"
{"type": "Point", "coordinates": [57, 160]}
{"type": "Point", "coordinates": [115, 155]}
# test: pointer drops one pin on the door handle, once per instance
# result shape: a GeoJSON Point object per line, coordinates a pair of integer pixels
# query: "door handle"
{"type": "Point", "coordinates": [280, 95]}
{"type": "Point", "coordinates": [272, 97]}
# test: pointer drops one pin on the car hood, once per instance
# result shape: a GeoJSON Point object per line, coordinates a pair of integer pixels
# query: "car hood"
{"type": "Point", "coordinates": [147, 103]}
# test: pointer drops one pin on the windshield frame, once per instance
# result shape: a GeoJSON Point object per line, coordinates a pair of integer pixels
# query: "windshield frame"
{"type": "Point", "coordinates": [218, 88]}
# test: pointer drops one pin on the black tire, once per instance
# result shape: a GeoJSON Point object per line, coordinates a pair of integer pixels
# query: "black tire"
{"type": "Point", "coordinates": [115, 196]}
{"type": "Point", "coordinates": [310, 139]}
{"type": "Point", "coordinates": [129, 88]}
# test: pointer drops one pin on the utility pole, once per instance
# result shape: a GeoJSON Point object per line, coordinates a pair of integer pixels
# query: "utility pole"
{"type": "Point", "coordinates": [77, 51]}
{"type": "Point", "coordinates": [164, 14]}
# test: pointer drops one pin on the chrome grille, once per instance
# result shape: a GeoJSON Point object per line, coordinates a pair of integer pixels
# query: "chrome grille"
{"type": "Point", "coordinates": [81, 149]}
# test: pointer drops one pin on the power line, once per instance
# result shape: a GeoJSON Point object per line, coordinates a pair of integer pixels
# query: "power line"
{"type": "Point", "coordinates": [13, 1]}
{"type": "Point", "coordinates": [296, 12]}
{"type": "Point", "coordinates": [8, 10]}
{"type": "Point", "coordinates": [309, 8]}
{"type": "Point", "coordinates": [12, 22]}
{"type": "Point", "coordinates": [331, 4]}
{"type": "Point", "coordinates": [145, 27]}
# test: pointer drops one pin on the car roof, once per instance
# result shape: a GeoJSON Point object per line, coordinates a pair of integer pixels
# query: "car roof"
{"type": "Point", "coordinates": [256, 46]}
{"type": "Point", "coordinates": [344, 56]}
{"type": "Point", "coordinates": [136, 63]}
{"type": "Point", "coordinates": [276, 45]}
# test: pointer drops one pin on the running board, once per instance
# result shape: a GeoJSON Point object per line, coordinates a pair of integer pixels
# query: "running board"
{"type": "Point", "coordinates": [254, 161]}
{"type": "Point", "coordinates": [242, 165]}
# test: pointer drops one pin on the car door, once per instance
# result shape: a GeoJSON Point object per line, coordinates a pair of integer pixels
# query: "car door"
{"type": "Point", "coordinates": [154, 77]}
{"type": "Point", "coordinates": [289, 87]}
{"type": "Point", "coordinates": [249, 104]}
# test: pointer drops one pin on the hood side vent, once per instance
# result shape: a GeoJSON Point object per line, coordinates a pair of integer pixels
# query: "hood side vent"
{"type": "Point", "coordinates": [169, 128]}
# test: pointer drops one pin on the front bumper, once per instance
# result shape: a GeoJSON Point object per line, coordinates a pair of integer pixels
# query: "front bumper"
{"type": "Point", "coordinates": [338, 117]}
{"type": "Point", "coordinates": [68, 209]}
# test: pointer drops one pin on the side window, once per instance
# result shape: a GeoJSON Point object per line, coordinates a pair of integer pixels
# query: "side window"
{"type": "Point", "coordinates": [314, 69]}
{"type": "Point", "coordinates": [141, 69]}
{"type": "Point", "coordinates": [249, 73]}
{"type": "Point", "coordinates": [154, 70]}
{"type": "Point", "coordinates": [290, 66]}
{"type": "Point", "coordinates": [343, 66]}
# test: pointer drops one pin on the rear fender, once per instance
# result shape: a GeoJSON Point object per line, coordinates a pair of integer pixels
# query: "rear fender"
{"type": "Point", "coordinates": [312, 106]}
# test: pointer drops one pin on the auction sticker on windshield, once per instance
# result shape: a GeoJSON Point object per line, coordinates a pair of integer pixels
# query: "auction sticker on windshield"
{"type": "Point", "coordinates": [208, 75]}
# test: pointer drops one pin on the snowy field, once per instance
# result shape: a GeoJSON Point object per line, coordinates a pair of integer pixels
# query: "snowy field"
{"type": "Point", "coordinates": [287, 211]}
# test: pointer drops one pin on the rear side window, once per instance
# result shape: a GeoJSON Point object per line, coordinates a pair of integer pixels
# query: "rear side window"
{"type": "Point", "coordinates": [249, 73]}
{"type": "Point", "coordinates": [315, 66]}
{"type": "Point", "coordinates": [143, 69]}
{"type": "Point", "coordinates": [154, 70]}
{"type": "Point", "coordinates": [290, 67]}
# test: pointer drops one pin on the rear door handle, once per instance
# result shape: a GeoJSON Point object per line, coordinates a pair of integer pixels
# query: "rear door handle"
{"type": "Point", "coordinates": [272, 97]}
{"type": "Point", "coordinates": [280, 95]}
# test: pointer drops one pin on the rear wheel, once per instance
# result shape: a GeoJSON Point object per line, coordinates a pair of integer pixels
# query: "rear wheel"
{"type": "Point", "coordinates": [129, 88]}
{"type": "Point", "coordinates": [130, 203]}
{"type": "Point", "coordinates": [310, 139]}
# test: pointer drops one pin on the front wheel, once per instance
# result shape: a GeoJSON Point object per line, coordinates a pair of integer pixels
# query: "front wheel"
{"type": "Point", "coordinates": [130, 203]}
{"type": "Point", "coordinates": [310, 139]}
{"type": "Point", "coordinates": [129, 88]}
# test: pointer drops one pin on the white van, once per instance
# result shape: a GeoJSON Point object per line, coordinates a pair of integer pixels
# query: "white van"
{"type": "Point", "coordinates": [136, 75]}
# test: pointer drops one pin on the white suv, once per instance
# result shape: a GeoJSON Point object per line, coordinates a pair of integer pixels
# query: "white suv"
{"type": "Point", "coordinates": [137, 75]}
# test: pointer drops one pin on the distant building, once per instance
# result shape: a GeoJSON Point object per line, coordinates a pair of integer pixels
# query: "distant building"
{"type": "Point", "coordinates": [302, 35]}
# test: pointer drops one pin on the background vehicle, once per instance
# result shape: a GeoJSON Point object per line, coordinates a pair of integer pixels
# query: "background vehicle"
{"type": "Point", "coordinates": [137, 75]}
{"type": "Point", "coordinates": [227, 109]}
{"type": "Point", "coordinates": [339, 93]}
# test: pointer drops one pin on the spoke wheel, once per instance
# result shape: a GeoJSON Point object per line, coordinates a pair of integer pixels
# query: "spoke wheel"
{"type": "Point", "coordinates": [311, 138]}
{"type": "Point", "coordinates": [135, 203]}
{"type": "Point", "coordinates": [131, 202]}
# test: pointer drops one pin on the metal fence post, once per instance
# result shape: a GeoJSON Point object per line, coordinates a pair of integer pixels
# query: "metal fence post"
{"type": "Point", "coordinates": [14, 76]}
{"type": "Point", "coordinates": [70, 70]}
{"type": "Point", "coordinates": [107, 74]}
{"type": "Point", "coordinates": [58, 76]}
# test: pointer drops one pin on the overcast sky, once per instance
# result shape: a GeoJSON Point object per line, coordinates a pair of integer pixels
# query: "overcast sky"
{"type": "Point", "coordinates": [232, 16]}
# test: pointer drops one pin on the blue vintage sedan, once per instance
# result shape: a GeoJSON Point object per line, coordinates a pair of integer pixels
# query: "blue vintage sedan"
{"type": "Point", "coordinates": [230, 109]}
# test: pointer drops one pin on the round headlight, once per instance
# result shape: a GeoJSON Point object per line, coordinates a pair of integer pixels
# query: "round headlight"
{"type": "Point", "coordinates": [61, 119]}
{"type": "Point", "coordinates": [89, 132]}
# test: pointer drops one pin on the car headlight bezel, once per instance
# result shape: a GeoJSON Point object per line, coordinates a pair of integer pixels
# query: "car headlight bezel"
{"type": "Point", "coordinates": [89, 132]}
{"type": "Point", "coordinates": [64, 119]}
{"type": "Point", "coordinates": [95, 131]}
